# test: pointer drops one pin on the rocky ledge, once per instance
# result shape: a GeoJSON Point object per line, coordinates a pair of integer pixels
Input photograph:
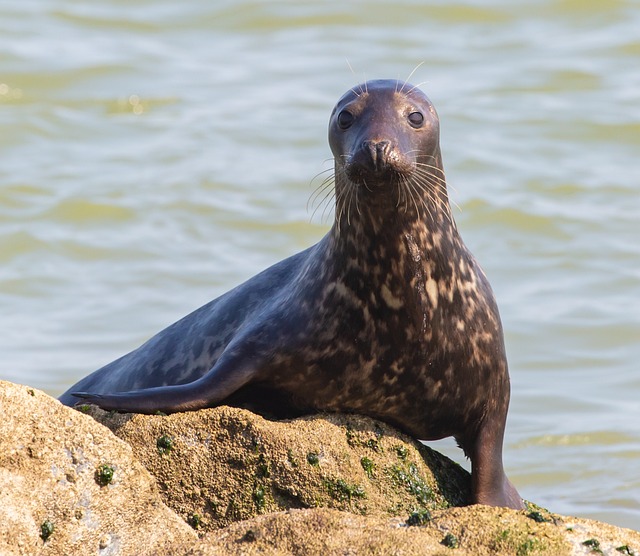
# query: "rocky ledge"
{"type": "Point", "coordinates": [226, 481]}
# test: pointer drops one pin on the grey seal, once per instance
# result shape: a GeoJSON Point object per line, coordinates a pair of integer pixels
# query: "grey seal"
{"type": "Point", "coordinates": [388, 315]}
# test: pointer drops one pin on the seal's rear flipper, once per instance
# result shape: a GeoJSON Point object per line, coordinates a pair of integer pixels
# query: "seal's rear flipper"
{"type": "Point", "coordinates": [164, 399]}
{"type": "Point", "coordinates": [225, 378]}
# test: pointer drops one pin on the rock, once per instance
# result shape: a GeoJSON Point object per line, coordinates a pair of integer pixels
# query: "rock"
{"type": "Point", "coordinates": [229, 468]}
{"type": "Point", "coordinates": [324, 484]}
{"type": "Point", "coordinates": [222, 465]}
{"type": "Point", "coordinates": [468, 531]}
{"type": "Point", "coordinates": [51, 501]}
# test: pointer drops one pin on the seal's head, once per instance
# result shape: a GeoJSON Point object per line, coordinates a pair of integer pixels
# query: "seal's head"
{"type": "Point", "coordinates": [381, 134]}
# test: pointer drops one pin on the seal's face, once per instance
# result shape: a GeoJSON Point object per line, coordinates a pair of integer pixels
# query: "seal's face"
{"type": "Point", "coordinates": [381, 133]}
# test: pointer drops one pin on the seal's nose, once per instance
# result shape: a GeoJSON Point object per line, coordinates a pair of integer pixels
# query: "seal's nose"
{"type": "Point", "coordinates": [378, 151]}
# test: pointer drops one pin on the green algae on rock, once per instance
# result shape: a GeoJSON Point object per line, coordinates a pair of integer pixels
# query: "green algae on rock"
{"type": "Point", "coordinates": [104, 474]}
{"type": "Point", "coordinates": [47, 528]}
{"type": "Point", "coordinates": [164, 444]}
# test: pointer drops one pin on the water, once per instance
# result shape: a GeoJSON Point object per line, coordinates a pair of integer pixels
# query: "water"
{"type": "Point", "coordinates": [154, 155]}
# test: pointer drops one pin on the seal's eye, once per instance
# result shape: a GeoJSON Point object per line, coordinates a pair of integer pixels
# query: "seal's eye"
{"type": "Point", "coordinates": [416, 119]}
{"type": "Point", "coordinates": [345, 119]}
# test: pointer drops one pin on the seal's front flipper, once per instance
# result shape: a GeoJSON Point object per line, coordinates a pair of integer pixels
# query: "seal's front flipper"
{"type": "Point", "coordinates": [227, 376]}
{"type": "Point", "coordinates": [489, 484]}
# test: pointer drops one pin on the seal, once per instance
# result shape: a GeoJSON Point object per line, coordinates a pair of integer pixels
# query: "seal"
{"type": "Point", "coordinates": [388, 315]}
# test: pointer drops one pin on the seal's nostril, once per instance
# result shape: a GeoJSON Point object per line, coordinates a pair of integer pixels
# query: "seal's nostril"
{"type": "Point", "coordinates": [383, 148]}
{"type": "Point", "coordinates": [378, 151]}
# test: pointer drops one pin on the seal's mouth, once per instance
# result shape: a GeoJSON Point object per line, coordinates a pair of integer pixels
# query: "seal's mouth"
{"type": "Point", "coordinates": [369, 180]}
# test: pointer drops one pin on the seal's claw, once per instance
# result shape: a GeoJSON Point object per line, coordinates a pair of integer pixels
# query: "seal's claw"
{"type": "Point", "coordinates": [87, 396]}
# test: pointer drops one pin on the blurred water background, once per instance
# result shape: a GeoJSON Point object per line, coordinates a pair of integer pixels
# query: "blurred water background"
{"type": "Point", "coordinates": [153, 154]}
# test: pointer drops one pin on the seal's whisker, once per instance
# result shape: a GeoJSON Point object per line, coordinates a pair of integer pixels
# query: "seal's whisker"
{"type": "Point", "coordinates": [452, 189]}
{"type": "Point", "coordinates": [437, 169]}
{"type": "Point", "coordinates": [402, 193]}
{"type": "Point", "coordinates": [429, 172]}
{"type": "Point", "coordinates": [403, 186]}
{"type": "Point", "coordinates": [430, 189]}
{"type": "Point", "coordinates": [356, 194]}
{"type": "Point", "coordinates": [432, 157]}
{"type": "Point", "coordinates": [405, 195]}
{"type": "Point", "coordinates": [427, 198]}
{"type": "Point", "coordinates": [339, 194]}
{"type": "Point", "coordinates": [326, 202]}
{"type": "Point", "coordinates": [324, 180]}
{"type": "Point", "coordinates": [416, 87]}
{"type": "Point", "coordinates": [349, 207]}
{"type": "Point", "coordinates": [322, 171]}
{"type": "Point", "coordinates": [327, 207]}
{"type": "Point", "coordinates": [339, 210]}
{"type": "Point", "coordinates": [435, 181]}
{"type": "Point", "coordinates": [408, 195]}
{"type": "Point", "coordinates": [345, 192]}
{"type": "Point", "coordinates": [316, 194]}
{"type": "Point", "coordinates": [414, 194]}
{"type": "Point", "coordinates": [354, 74]}
{"type": "Point", "coordinates": [327, 184]}
{"type": "Point", "coordinates": [406, 81]}
{"type": "Point", "coordinates": [329, 179]}
{"type": "Point", "coordinates": [455, 205]}
{"type": "Point", "coordinates": [323, 215]}
{"type": "Point", "coordinates": [427, 179]}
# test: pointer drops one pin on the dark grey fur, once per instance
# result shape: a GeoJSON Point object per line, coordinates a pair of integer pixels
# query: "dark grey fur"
{"type": "Point", "coordinates": [388, 315]}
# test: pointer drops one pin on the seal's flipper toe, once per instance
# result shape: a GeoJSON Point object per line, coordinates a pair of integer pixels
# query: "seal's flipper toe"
{"type": "Point", "coordinates": [104, 401]}
{"type": "Point", "coordinates": [86, 396]}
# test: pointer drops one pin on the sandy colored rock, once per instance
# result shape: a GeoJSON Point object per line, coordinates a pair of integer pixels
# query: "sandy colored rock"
{"type": "Point", "coordinates": [49, 457]}
{"type": "Point", "coordinates": [468, 531]}
{"type": "Point", "coordinates": [227, 464]}
{"type": "Point", "coordinates": [326, 484]}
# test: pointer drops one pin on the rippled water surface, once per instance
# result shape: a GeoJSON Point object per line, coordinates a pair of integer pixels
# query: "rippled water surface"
{"type": "Point", "coordinates": [154, 154]}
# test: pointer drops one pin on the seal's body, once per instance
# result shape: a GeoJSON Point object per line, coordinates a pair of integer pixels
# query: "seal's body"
{"type": "Point", "coordinates": [389, 315]}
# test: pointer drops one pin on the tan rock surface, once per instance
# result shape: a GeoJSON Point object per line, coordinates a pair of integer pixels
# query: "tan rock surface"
{"type": "Point", "coordinates": [469, 531]}
{"type": "Point", "coordinates": [328, 484]}
{"type": "Point", "coordinates": [227, 464]}
{"type": "Point", "coordinates": [49, 455]}
{"type": "Point", "coordinates": [221, 458]}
